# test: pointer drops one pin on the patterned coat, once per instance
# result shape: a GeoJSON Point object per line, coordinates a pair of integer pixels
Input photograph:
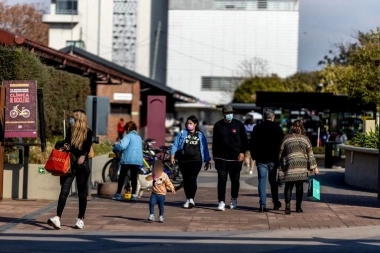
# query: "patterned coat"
{"type": "Point", "coordinates": [295, 154]}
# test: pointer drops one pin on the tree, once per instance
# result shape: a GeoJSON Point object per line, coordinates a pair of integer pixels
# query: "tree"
{"type": "Point", "coordinates": [246, 93]}
{"type": "Point", "coordinates": [299, 82]}
{"type": "Point", "coordinates": [343, 51]}
{"type": "Point", "coordinates": [360, 78]}
{"type": "Point", "coordinates": [25, 20]}
{"type": "Point", "coordinates": [255, 66]}
{"type": "Point", "coordinates": [303, 82]}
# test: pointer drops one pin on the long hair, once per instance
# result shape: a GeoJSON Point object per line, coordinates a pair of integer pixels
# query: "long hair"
{"type": "Point", "coordinates": [130, 126]}
{"type": "Point", "coordinates": [195, 121]}
{"type": "Point", "coordinates": [298, 128]}
{"type": "Point", "coordinates": [79, 129]}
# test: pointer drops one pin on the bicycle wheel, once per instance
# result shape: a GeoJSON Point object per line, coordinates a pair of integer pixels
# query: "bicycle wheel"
{"type": "Point", "coordinates": [109, 173]}
{"type": "Point", "coordinates": [176, 177]}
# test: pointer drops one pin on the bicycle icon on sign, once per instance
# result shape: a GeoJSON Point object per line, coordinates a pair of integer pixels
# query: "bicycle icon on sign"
{"type": "Point", "coordinates": [17, 112]}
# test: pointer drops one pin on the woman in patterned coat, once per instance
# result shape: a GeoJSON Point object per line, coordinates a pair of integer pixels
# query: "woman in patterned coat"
{"type": "Point", "coordinates": [297, 161]}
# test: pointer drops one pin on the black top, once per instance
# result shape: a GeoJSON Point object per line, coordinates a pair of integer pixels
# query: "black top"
{"type": "Point", "coordinates": [265, 142]}
{"type": "Point", "coordinates": [229, 139]}
{"type": "Point", "coordinates": [192, 148]}
{"type": "Point", "coordinates": [86, 146]}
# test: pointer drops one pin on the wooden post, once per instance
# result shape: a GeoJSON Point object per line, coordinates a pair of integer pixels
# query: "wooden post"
{"type": "Point", "coordinates": [2, 107]}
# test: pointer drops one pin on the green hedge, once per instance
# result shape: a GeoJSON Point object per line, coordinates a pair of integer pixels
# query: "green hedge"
{"type": "Point", "coordinates": [62, 90]}
{"type": "Point", "coordinates": [366, 140]}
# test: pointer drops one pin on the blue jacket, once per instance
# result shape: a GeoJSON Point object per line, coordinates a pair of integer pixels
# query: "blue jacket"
{"type": "Point", "coordinates": [180, 141]}
{"type": "Point", "coordinates": [131, 149]}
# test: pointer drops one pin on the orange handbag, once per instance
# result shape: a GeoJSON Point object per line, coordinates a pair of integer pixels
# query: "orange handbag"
{"type": "Point", "coordinates": [58, 163]}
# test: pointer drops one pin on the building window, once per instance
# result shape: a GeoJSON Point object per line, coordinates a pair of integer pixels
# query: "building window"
{"type": "Point", "coordinates": [66, 7]}
{"type": "Point", "coordinates": [262, 4]}
{"type": "Point", "coordinates": [76, 43]}
{"type": "Point", "coordinates": [212, 83]}
{"type": "Point", "coordinates": [120, 108]}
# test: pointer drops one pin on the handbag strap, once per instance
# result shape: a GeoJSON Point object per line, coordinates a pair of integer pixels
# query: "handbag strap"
{"type": "Point", "coordinates": [299, 143]}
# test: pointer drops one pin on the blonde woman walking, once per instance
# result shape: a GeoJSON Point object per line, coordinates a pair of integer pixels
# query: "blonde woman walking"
{"type": "Point", "coordinates": [78, 141]}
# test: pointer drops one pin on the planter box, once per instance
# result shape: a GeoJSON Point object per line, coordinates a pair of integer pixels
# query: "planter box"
{"type": "Point", "coordinates": [40, 184]}
{"type": "Point", "coordinates": [361, 167]}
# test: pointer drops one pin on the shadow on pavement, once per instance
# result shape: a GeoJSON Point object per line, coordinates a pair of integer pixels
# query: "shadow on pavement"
{"type": "Point", "coordinates": [79, 242]}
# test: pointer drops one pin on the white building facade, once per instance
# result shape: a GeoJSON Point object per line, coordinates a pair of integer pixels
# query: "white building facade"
{"type": "Point", "coordinates": [209, 39]}
{"type": "Point", "coordinates": [122, 31]}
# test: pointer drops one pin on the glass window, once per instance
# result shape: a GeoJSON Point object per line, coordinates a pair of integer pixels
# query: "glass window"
{"type": "Point", "coordinates": [76, 43]}
{"type": "Point", "coordinates": [212, 83]}
{"type": "Point", "coordinates": [121, 108]}
{"type": "Point", "coordinates": [66, 7]}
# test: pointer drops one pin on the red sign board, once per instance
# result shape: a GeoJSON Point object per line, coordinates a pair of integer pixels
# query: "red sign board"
{"type": "Point", "coordinates": [20, 109]}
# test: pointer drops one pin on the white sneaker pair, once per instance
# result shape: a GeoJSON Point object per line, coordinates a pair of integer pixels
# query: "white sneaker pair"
{"type": "Point", "coordinates": [189, 204]}
{"type": "Point", "coordinates": [152, 218]}
{"type": "Point", "coordinates": [222, 205]}
{"type": "Point", "coordinates": [55, 222]}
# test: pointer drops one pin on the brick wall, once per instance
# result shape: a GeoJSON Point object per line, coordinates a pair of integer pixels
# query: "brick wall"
{"type": "Point", "coordinates": [108, 90]}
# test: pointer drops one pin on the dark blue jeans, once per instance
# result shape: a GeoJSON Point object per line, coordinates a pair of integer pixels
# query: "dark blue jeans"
{"type": "Point", "coordinates": [157, 199]}
{"type": "Point", "coordinates": [263, 169]}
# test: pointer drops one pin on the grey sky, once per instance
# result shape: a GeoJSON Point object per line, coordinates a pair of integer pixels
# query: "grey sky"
{"type": "Point", "coordinates": [322, 23]}
{"type": "Point", "coordinates": [325, 22]}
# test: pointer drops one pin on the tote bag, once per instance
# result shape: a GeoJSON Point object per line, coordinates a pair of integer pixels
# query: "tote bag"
{"type": "Point", "coordinates": [58, 163]}
{"type": "Point", "coordinates": [314, 191]}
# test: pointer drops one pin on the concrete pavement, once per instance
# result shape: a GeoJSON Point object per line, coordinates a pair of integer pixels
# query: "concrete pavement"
{"type": "Point", "coordinates": [346, 219]}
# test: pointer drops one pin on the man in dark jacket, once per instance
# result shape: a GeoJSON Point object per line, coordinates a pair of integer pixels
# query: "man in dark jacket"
{"type": "Point", "coordinates": [229, 145]}
{"type": "Point", "coordinates": [265, 145]}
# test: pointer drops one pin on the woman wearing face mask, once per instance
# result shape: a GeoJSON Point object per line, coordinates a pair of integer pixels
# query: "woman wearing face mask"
{"type": "Point", "coordinates": [131, 158]}
{"type": "Point", "coordinates": [190, 148]}
{"type": "Point", "coordinates": [79, 141]}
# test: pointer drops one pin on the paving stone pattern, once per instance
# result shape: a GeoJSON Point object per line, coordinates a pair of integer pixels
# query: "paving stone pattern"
{"type": "Point", "coordinates": [341, 206]}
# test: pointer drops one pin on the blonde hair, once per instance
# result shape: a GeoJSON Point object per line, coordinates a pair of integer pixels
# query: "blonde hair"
{"type": "Point", "coordinates": [79, 129]}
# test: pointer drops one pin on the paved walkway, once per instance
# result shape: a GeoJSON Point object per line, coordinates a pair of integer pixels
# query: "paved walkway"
{"type": "Point", "coordinates": [346, 220]}
{"type": "Point", "coordinates": [341, 207]}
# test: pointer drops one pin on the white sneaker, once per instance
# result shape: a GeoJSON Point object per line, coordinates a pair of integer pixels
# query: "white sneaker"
{"type": "Point", "coordinates": [151, 217]}
{"type": "Point", "coordinates": [192, 203]}
{"type": "Point", "coordinates": [79, 224]}
{"type": "Point", "coordinates": [233, 203]}
{"type": "Point", "coordinates": [55, 222]}
{"type": "Point", "coordinates": [221, 206]}
{"type": "Point", "coordinates": [187, 203]}
{"type": "Point", "coordinates": [161, 219]}
{"type": "Point", "coordinates": [250, 172]}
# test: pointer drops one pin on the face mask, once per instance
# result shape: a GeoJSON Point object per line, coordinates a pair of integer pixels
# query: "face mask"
{"type": "Point", "coordinates": [229, 117]}
{"type": "Point", "coordinates": [190, 127]}
{"type": "Point", "coordinates": [72, 120]}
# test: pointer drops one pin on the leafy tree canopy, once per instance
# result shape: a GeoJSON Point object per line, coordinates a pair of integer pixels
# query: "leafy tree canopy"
{"type": "Point", "coordinates": [299, 82]}
{"type": "Point", "coordinates": [25, 20]}
{"type": "Point", "coordinates": [360, 75]}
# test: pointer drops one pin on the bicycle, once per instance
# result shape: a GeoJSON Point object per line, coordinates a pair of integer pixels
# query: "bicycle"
{"type": "Point", "coordinates": [17, 112]}
{"type": "Point", "coordinates": [111, 167]}
{"type": "Point", "coordinates": [172, 170]}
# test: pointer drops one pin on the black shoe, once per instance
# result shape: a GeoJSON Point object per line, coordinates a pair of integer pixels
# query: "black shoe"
{"type": "Point", "coordinates": [299, 210]}
{"type": "Point", "coordinates": [262, 209]}
{"type": "Point", "coordinates": [277, 205]}
{"type": "Point", "coordinates": [287, 209]}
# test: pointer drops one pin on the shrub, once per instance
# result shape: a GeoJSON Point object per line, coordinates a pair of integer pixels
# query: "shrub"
{"type": "Point", "coordinates": [37, 157]}
{"type": "Point", "coordinates": [61, 90]}
{"type": "Point", "coordinates": [366, 140]}
{"type": "Point", "coordinates": [318, 150]}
